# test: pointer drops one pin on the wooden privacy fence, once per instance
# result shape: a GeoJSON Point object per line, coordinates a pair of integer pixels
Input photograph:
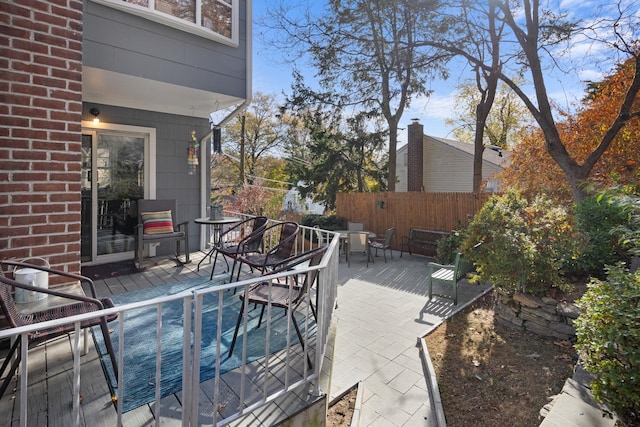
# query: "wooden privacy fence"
{"type": "Point", "coordinates": [432, 211]}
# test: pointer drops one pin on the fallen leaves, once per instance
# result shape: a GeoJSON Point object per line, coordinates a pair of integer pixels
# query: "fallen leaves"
{"type": "Point", "coordinates": [563, 344]}
{"type": "Point", "coordinates": [564, 357]}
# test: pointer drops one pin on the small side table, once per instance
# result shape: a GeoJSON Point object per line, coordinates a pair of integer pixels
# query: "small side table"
{"type": "Point", "coordinates": [217, 225]}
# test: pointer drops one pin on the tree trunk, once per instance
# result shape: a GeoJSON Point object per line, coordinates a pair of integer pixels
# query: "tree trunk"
{"type": "Point", "coordinates": [393, 143]}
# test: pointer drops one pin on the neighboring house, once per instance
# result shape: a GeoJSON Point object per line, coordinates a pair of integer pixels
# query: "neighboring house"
{"type": "Point", "coordinates": [437, 165]}
{"type": "Point", "coordinates": [293, 202]}
{"type": "Point", "coordinates": [151, 75]}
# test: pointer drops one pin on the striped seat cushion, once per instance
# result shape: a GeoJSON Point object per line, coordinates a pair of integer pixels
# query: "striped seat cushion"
{"type": "Point", "coordinates": [157, 222]}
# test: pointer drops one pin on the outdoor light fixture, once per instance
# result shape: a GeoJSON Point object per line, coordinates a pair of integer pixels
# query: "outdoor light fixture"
{"type": "Point", "coordinates": [95, 113]}
{"type": "Point", "coordinates": [380, 204]}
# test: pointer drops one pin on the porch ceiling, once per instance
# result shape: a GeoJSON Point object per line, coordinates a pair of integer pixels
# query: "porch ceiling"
{"type": "Point", "coordinates": [106, 87]}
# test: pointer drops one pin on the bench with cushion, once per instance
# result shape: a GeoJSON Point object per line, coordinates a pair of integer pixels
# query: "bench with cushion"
{"type": "Point", "coordinates": [449, 274]}
{"type": "Point", "coordinates": [422, 239]}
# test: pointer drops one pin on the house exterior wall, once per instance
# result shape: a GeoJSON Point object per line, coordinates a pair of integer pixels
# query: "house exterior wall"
{"type": "Point", "coordinates": [47, 46]}
{"type": "Point", "coordinates": [128, 44]}
{"type": "Point", "coordinates": [449, 170]}
{"type": "Point", "coordinates": [40, 113]}
{"type": "Point", "coordinates": [443, 166]}
{"type": "Point", "coordinates": [172, 176]}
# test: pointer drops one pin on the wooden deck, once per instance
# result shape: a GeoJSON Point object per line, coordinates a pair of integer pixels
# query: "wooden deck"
{"type": "Point", "coordinates": [51, 366]}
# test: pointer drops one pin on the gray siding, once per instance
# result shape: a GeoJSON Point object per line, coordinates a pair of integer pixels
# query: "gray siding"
{"type": "Point", "coordinates": [172, 178]}
{"type": "Point", "coordinates": [124, 43]}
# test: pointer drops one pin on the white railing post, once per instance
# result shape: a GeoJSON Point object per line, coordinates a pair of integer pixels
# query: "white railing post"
{"type": "Point", "coordinates": [76, 375]}
{"type": "Point", "coordinates": [191, 382]}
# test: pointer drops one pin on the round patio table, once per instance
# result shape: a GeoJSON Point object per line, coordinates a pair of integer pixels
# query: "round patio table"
{"type": "Point", "coordinates": [218, 225]}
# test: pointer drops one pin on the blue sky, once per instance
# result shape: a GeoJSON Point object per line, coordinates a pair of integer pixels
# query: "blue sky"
{"type": "Point", "coordinates": [270, 76]}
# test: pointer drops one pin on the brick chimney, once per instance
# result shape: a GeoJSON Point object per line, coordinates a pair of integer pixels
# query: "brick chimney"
{"type": "Point", "coordinates": [415, 156]}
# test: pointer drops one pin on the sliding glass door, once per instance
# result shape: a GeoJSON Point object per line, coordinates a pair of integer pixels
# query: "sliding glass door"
{"type": "Point", "coordinates": [113, 179]}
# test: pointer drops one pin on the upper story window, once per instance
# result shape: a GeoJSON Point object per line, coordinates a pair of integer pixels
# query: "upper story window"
{"type": "Point", "coordinates": [214, 19]}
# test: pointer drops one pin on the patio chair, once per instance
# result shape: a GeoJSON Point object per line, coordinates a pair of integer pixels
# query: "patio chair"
{"type": "Point", "coordinates": [283, 295]}
{"type": "Point", "coordinates": [357, 243]}
{"type": "Point", "coordinates": [78, 304]}
{"type": "Point", "coordinates": [322, 237]}
{"type": "Point", "coordinates": [384, 244]}
{"type": "Point", "coordinates": [232, 246]}
{"type": "Point", "coordinates": [157, 223]}
{"type": "Point", "coordinates": [355, 226]}
{"type": "Point", "coordinates": [288, 232]}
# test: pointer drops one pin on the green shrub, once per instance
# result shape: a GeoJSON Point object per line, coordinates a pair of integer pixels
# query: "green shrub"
{"type": "Point", "coordinates": [598, 218]}
{"type": "Point", "coordinates": [629, 231]}
{"type": "Point", "coordinates": [520, 246]}
{"type": "Point", "coordinates": [326, 222]}
{"type": "Point", "coordinates": [608, 332]}
{"type": "Point", "coordinates": [448, 247]}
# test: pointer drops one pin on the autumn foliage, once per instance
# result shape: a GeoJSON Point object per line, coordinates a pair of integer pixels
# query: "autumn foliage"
{"type": "Point", "coordinates": [532, 170]}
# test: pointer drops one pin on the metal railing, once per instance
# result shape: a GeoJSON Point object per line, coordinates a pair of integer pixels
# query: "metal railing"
{"type": "Point", "coordinates": [315, 344]}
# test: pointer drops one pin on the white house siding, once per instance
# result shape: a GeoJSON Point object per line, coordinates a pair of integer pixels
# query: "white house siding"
{"type": "Point", "coordinates": [401, 169]}
{"type": "Point", "coordinates": [447, 168]}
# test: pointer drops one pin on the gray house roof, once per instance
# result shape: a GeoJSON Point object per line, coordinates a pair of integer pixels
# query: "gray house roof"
{"type": "Point", "coordinates": [497, 158]}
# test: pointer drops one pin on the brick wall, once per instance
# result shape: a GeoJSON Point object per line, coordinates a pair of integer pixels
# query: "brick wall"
{"type": "Point", "coordinates": [40, 131]}
{"type": "Point", "coordinates": [415, 150]}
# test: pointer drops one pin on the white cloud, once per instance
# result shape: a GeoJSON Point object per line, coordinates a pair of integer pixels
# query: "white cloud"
{"type": "Point", "coordinates": [574, 5]}
{"type": "Point", "coordinates": [591, 75]}
{"type": "Point", "coordinates": [431, 112]}
{"type": "Point", "coordinates": [436, 106]}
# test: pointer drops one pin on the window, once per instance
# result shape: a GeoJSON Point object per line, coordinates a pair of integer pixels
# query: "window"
{"type": "Point", "coordinates": [214, 19]}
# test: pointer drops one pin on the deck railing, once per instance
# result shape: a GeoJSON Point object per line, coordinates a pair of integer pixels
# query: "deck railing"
{"type": "Point", "coordinates": [295, 370]}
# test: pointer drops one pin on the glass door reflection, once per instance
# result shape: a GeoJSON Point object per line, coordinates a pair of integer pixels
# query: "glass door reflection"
{"type": "Point", "coordinates": [120, 176]}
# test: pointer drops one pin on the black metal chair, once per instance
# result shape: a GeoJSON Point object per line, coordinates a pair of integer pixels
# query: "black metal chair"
{"type": "Point", "coordinates": [78, 304]}
{"type": "Point", "coordinates": [235, 241]}
{"type": "Point", "coordinates": [287, 232]}
{"type": "Point", "coordinates": [283, 295]}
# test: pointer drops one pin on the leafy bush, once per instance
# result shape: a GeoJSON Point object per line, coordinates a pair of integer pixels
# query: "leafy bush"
{"type": "Point", "coordinates": [521, 246]}
{"type": "Point", "coordinates": [608, 332]}
{"type": "Point", "coordinates": [598, 218]}
{"type": "Point", "coordinates": [629, 231]}
{"type": "Point", "coordinates": [448, 247]}
{"type": "Point", "coordinates": [326, 222]}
